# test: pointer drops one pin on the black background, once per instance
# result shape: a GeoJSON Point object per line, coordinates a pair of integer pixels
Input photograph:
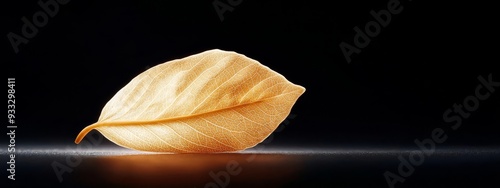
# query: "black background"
{"type": "Point", "coordinates": [396, 90]}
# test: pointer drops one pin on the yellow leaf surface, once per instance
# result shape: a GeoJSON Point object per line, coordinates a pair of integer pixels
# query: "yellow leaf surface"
{"type": "Point", "coordinates": [214, 101]}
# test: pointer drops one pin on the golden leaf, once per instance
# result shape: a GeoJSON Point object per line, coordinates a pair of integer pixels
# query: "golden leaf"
{"type": "Point", "coordinates": [214, 101]}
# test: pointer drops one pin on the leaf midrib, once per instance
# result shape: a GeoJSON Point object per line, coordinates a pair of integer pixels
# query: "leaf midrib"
{"type": "Point", "coordinates": [118, 123]}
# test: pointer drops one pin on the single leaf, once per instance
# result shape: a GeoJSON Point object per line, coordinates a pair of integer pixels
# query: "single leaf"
{"type": "Point", "coordinates": [214, 101]}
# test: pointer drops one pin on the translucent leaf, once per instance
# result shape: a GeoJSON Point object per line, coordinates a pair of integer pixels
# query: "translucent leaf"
{"type": "Point", "coordinates": [214, 101]}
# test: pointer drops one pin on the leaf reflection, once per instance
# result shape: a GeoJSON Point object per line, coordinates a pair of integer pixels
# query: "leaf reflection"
{"type": "Point", "coordinates": [190, 170]}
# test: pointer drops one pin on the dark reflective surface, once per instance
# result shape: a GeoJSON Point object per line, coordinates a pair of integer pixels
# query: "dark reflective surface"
{"type": "Point", "coordinates": [467, 167]}
{"type": "Point", "coordinates": [190, 170]}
